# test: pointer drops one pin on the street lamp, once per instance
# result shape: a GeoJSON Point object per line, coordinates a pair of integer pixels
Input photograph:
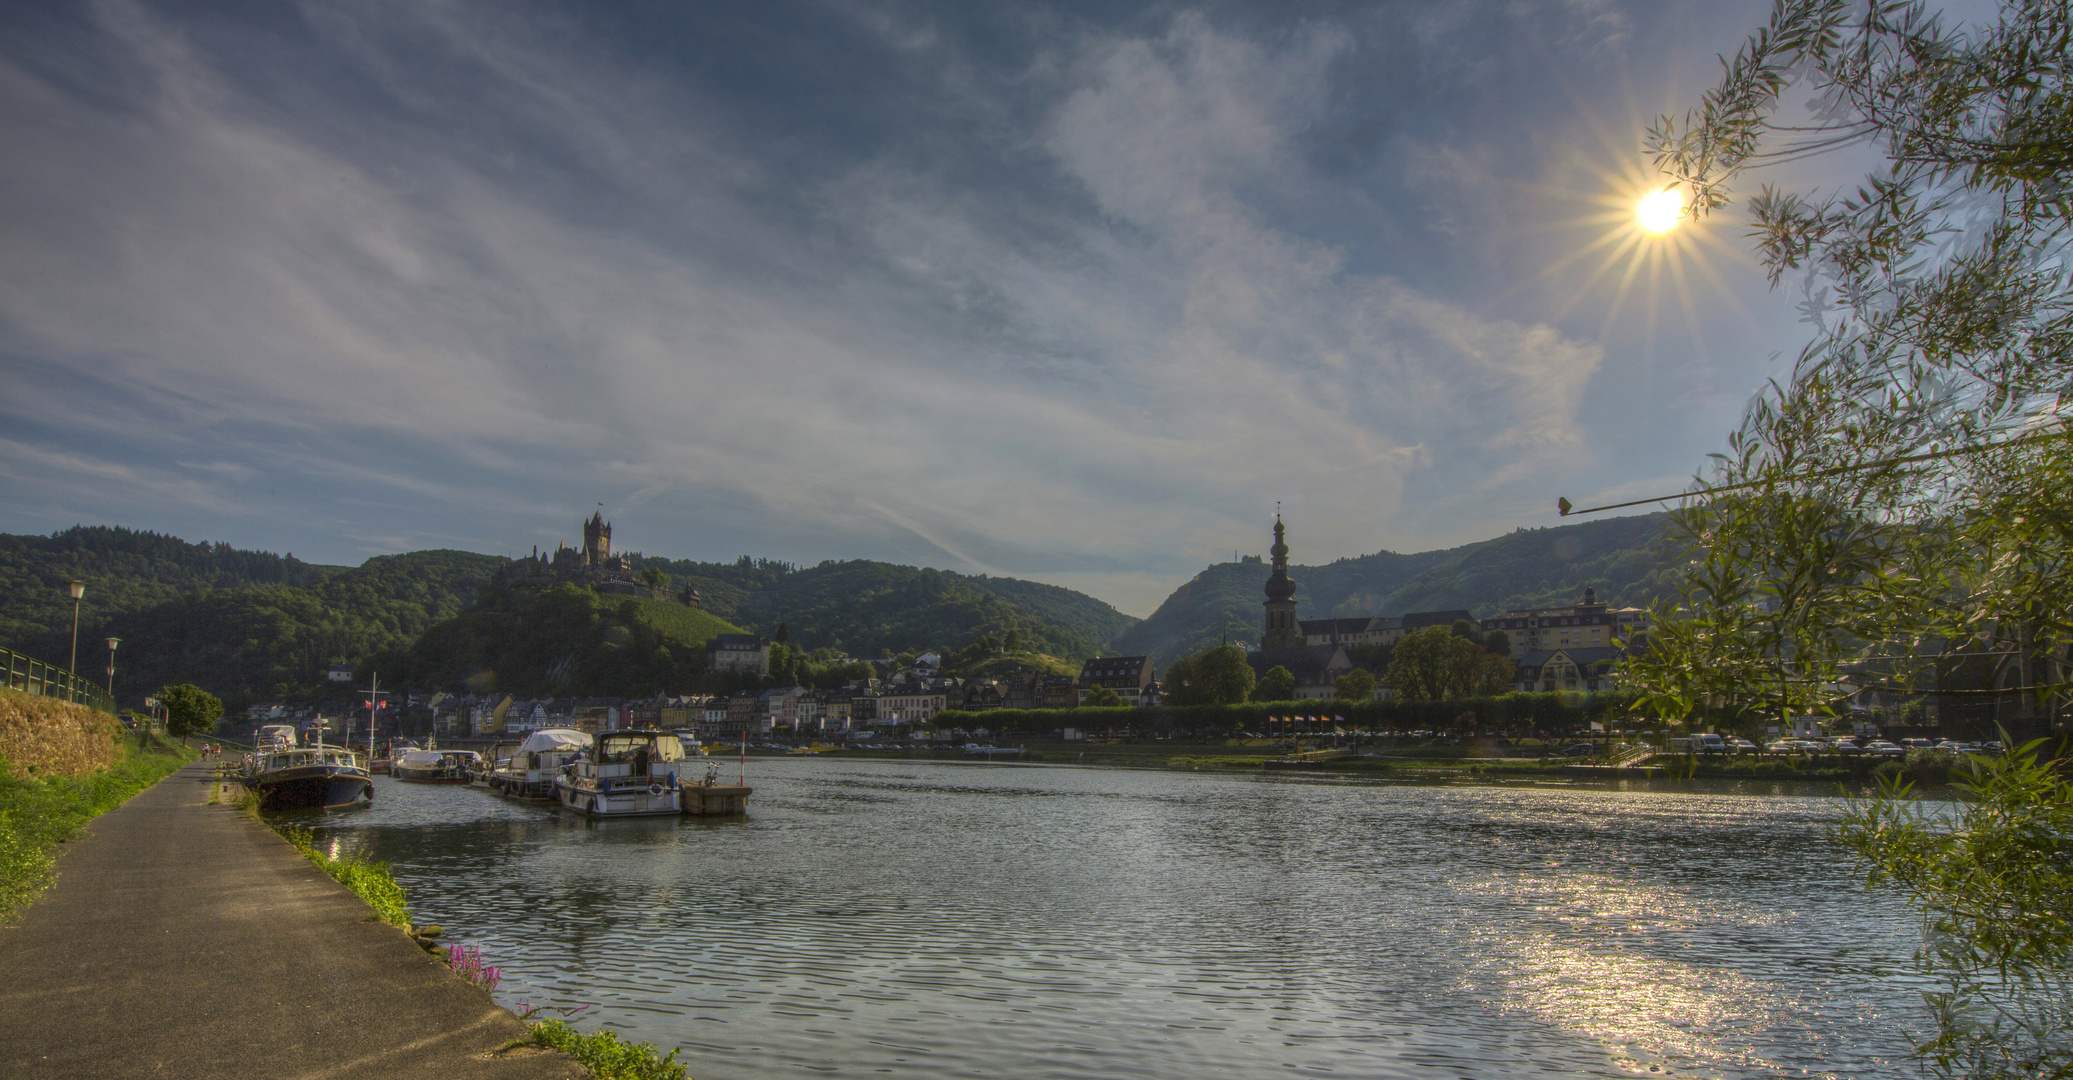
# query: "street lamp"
{"type": "Point", "coordinates": [78, 590]}
{"type": "Point", "coordinates": [112, 643]}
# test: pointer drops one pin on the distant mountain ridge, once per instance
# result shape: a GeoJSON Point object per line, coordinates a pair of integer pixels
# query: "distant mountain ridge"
{"type": "Point", "coordinates": [1628, 560]}
{"type": "Point", "coordinates": [250, 625]}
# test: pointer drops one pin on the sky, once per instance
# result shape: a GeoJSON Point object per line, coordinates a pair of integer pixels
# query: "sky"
{"type": "Point", "coordinates": [1070, 292]}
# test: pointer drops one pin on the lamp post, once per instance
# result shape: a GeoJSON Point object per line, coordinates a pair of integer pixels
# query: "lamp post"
{"type": "Point", "coordinates": [78, 590]}
{"type": "Point", "coordinates": [112, 643]}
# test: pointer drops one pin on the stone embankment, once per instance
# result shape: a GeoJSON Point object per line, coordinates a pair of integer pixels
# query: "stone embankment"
{"type": "Point", "coordinates": [185, 939]}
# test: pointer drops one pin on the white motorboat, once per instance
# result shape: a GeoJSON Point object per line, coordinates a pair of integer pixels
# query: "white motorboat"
{"type": "Point", "coordinates": [434, 766]}
{"type": "Point", "coordinates": [626, 774]}
{"type": "Point", "coordinates": [529, 774]}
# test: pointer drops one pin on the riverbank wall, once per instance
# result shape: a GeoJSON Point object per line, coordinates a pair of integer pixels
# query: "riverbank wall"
{"type": "Point", "coordinates": [47, 736]}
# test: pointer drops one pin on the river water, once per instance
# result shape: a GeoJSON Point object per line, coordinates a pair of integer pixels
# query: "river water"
{"type": "Point", "coordinates": [952, 920]}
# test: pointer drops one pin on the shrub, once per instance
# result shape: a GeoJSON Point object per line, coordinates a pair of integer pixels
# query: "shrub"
{"type": "Point", "coordinates": [607, 1055]}
{"type": "Point", "coordinates": [371, 881]}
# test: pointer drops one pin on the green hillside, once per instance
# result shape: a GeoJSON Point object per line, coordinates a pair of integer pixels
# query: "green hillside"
{"type": "Point", "coordinates": [252, 625]}
{"type": "Point", "coordinates": [563, 640]}
{"type": "Point", "coordinates": [1626, 559]}
{"type": "Point", "coordinates": [1006, 665]}
{"type": "Point", "coordinates": [867, 608]}
{"type": "Point", "coordinates": [244, 624]}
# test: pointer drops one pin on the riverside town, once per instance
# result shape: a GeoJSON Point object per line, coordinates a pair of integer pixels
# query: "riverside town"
{"type": "Point", "coordinates": [1275, 544]}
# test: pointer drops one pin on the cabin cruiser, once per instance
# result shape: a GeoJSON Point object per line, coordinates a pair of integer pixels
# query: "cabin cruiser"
{"type": "Point", "coordinates": [434, 766]}
{"type": "Point", "coordinates": [530, 773]}
{"type": "Point", "coordinates": [310, 778]}
{"type": "Point", "coordinates": [625, 774]}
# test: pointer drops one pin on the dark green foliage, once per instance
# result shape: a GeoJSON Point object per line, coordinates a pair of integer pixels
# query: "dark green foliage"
{"type": "Point", "coordinates": [869, 608]}
{"type": "Point", "coordinates": [245, 625]}
{"type": "Point", "coordinates": [1278, 684]}
{"type": "Point", "coordinates": [1626, 559]}
{"type": "Point", "coordinates": [1218, 676]}
{"type": "Point", "coordinates": [1497, 643]}
{"type": "Point", "coordinates": [563, 640]}
{"type": "Point", "coordinates": [1355, 685]}
{"type": "Point", "coordinates": [190, 710]}
{"type": "Point", "coordinates": [1993, 880]}
{"type": "Point", "coordinates": [606, 1055]}
{"type": "Point", "coordinates": [1101, 697]}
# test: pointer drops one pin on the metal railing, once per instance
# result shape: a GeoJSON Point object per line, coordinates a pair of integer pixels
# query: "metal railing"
{"type": "Point", "coordinates": [33, 676]}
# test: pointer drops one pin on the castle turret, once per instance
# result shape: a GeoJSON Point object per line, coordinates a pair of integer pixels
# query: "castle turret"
{"type": "Point", "coordinates": [1280, 631]}
{"type": "Point", "coordinates": [597, 540]}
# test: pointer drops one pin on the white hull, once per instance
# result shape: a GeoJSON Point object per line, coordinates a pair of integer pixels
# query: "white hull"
{"type": "Point", "coordinates": [656, 798]}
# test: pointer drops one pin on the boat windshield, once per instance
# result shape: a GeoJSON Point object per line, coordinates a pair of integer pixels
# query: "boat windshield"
{"type": "Point", "coordinates": [616, 748]}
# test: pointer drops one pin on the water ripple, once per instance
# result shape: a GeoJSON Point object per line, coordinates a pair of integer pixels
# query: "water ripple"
{"type": "Point", "coordinates": [985, 920]}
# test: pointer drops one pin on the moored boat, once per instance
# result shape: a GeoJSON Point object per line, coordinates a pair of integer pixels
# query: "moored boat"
{"type": "Point", "coordinates": [310, 778]}
{"type": "Point", "coordinates": [434, 766]}
{"type": "Point", "coordinates": [627, 774]}
{"type": "Point", "coordinates": [529, 774]}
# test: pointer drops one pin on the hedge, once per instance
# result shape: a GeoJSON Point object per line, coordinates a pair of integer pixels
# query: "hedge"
{"type": "Point", "coordinates": [1537, 711]}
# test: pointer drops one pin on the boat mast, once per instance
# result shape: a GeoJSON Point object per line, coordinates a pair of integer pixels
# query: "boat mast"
{"type": "Point", "coordinates": [373, 703]}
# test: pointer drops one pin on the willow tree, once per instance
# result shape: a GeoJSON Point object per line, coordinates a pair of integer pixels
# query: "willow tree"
{"type": "Point", "coordinates": [1904, 493]}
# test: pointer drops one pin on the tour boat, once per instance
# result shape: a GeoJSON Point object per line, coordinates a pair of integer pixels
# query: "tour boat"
{"type": "Point", "coordinates": [528, 776]}
{"type": "Point", "coordinates": [434, 766]}
{"type": "Point", "coordinates": [310, 778]}
{"type": "Point", "coordinates": [625, 774]}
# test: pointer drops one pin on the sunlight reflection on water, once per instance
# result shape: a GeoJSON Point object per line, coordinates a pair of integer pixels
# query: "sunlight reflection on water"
{"type": "Point", "coordinates": [951, 920]}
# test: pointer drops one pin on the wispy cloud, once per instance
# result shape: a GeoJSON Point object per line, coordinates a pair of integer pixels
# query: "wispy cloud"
{"type": "Point", "coordinates": [1060, 302]}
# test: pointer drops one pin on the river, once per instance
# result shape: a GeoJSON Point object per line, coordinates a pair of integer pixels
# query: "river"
{"type": "Point", "coordinates": [952, 920]}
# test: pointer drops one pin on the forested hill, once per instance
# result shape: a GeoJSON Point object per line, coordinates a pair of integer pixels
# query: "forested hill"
{"type": "Point", "coordinates": [244, 624]}
{"type": "Point", "coordinates": [1626, 559]}
{"type": "Point", "coordinates": [868, 608]}
{"type": "Point", "coordinates": [249, 625]}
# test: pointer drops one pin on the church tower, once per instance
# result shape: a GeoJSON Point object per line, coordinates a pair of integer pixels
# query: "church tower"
{"type": "Point", "coordinates": [597, 540]}
{"type": "Point", "coordinates": [1281, 631]}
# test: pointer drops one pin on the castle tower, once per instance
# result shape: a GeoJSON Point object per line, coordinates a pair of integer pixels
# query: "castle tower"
{"type": "Point", "coordinates": [1281, 631]}
{"type": "Point", "coordinates": [597, 540]}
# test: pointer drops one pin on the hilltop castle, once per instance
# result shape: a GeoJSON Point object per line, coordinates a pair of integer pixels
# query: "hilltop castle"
{"type": "Point", "coordinates": [593, 565]}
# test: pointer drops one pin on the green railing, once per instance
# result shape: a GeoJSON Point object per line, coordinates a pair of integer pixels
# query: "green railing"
{"type": "Point", "coordinates": [33, 676]}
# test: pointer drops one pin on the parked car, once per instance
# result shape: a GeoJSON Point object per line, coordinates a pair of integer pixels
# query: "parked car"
{"type": "Point", "coordinates": [1580, 750]}
{"type": "Point", "coordinates": [1742, 746]}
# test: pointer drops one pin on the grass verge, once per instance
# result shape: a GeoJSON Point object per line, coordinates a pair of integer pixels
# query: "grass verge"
{"type": "Point", "coordinates": [37, 813]}
{"type": "Point", "coordinates": [608, 1056]}
{"type": "Point", "coordinates": [370, 881]}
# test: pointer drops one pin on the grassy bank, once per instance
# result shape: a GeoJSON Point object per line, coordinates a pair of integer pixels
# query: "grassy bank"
{"type": "Point", "coordinates": [42, 810]}
{"type": "Point", "coordinates": [606, 1055]}
{"type": "Point", "coordinates": [370, 881]}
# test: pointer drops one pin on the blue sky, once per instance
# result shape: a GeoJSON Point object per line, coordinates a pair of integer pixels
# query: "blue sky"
{"type": "Point", "coordinates": [1070, 292]}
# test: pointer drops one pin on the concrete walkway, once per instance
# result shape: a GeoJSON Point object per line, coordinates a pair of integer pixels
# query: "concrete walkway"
{"type": "Point", "coordinates": [185, 940]}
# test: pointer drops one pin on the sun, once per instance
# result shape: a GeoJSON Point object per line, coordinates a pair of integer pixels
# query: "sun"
{"type": "Point", "coordinates": [1659, 211]}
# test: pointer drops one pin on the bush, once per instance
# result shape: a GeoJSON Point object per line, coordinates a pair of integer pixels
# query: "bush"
{"type": "Point", "coordinates": [608, 1056]}
{"type": "Point", "coordinates": [370, 881]}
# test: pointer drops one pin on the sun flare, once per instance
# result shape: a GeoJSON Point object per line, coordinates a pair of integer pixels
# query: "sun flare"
{"type": "Point", "coordinates": [1660, 211]}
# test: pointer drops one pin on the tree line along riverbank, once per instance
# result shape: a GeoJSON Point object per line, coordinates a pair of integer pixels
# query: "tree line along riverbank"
{"type": "Point", "coordinates": [1432, 759]}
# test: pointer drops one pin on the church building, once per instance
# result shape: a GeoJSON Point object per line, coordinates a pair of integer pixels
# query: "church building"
{"type": "Point", "coordinates": [1316, 667]}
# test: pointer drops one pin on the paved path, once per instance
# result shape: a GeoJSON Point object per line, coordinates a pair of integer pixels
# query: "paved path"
{"type": "Point", "coordinates": [185, 940]}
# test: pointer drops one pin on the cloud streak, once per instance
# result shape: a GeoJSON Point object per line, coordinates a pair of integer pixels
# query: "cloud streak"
{"type": "Point", "coordinates": [1072, 317]}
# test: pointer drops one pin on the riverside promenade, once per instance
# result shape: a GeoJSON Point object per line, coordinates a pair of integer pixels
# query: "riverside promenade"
{"type": "Point", "coordinates": [186, 940]}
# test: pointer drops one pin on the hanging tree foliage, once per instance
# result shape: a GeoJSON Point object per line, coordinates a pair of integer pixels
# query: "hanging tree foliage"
{"type": "Point", "coordinates": [1902, 493]}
